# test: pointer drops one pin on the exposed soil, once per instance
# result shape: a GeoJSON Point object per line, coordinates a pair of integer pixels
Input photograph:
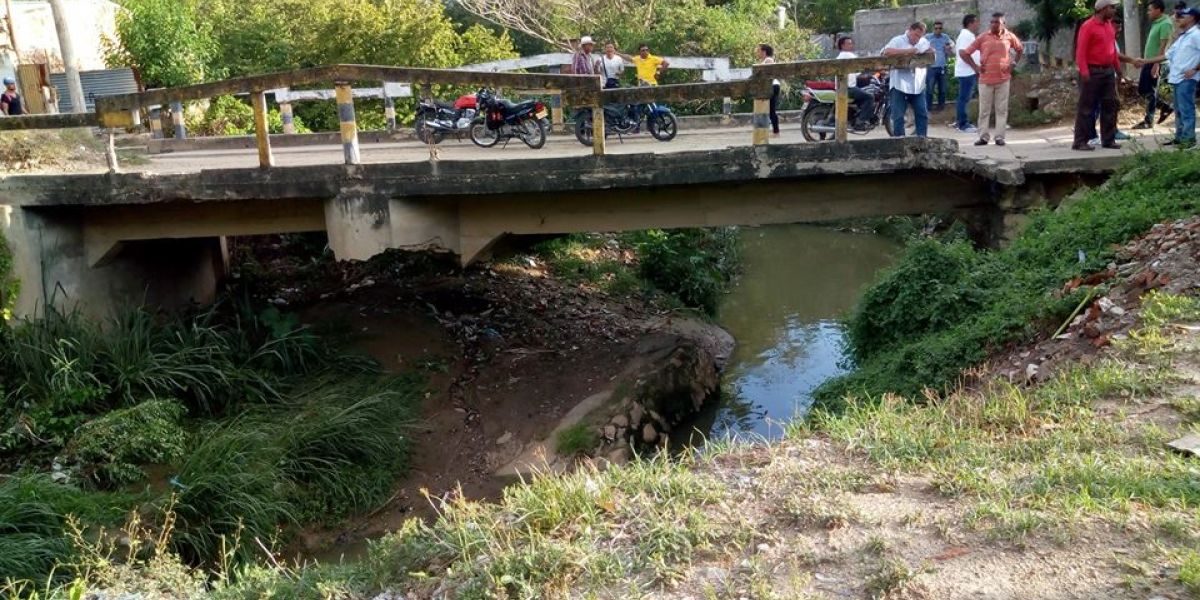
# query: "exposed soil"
{"type": "Point", "coordinates": [508, 350]}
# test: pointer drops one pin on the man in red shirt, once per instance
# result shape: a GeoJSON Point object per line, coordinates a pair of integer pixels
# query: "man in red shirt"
{"type": "Point", "coordinates": [1096, 56]}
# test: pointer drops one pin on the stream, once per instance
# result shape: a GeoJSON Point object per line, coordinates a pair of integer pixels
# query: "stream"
{"type": "Point", "coordinates": [797, 282]}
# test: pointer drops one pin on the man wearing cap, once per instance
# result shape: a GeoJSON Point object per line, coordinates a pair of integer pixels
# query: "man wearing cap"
{"type": "Point", "coordinates": [10, 100]}
{"type": "Point", "coordinates": [1184, 61]}
{"type": "Point", "coordinates": [1096, 56]}
{"type": "Point", "coordinates": [584, 63]}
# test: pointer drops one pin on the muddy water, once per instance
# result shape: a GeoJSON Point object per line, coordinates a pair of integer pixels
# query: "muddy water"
{"type": "Point", "coordinates": [797, 281]}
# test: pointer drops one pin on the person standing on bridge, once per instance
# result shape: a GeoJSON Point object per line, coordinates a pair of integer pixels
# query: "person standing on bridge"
{"type": "Point", "coordinates": [966, 76]}
{"type": "Point", "coordinates": [649, 66]}
{"type": "Point", "coordinates": [908, 85]}
{"type": "Point", "coordinates": [1096, 57]}
{"type": "Point", "coordinates": [1183, 58]}
{"type": "Point", "coordinates": [942, 47]}
{"type": "Point", "coordinates": [766, 56]}
{"type": "Point", "coordinates": [10, 100]}
{"type": "Point", "coordinates": [1156, 45]}
{"type": "Point", "coordinates": [612, 66]}
{"type": "Point", "coordinates": [584, 62]}
{"type": "Point", "coordinates": [996, 48]}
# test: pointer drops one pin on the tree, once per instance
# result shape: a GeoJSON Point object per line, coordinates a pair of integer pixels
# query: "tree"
{"type": "Point", "coordinates": [163, 40]}
{"type": "Point", "coordinates": [1052, 16]}
{"type": "Point", "coordinates": [682, 27]}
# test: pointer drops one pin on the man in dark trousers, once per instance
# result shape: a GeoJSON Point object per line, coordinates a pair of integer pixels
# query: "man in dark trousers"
{"type": "Point", "coordinates": [1096, 56]}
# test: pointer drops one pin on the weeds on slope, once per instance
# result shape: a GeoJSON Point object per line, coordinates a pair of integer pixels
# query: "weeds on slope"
{"type": "Point", "coordinates": [945, 307]}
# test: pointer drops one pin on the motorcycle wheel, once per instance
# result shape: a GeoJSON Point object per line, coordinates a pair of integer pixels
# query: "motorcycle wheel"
{"type": "Point", "coordinates": [484, 137]}
{"type": "Point", "coordinates": [426, 134]}
{"type": "Point", "coordinates": [533, 134]}
{"type": "Point", "coordinates": [910, 121]}
{"type": "Point", "coordinates": [663, 126]}
{"type": "Point", "coordinates": [815, 113]}
{"type": "Point", "coordinates": [583, 128]}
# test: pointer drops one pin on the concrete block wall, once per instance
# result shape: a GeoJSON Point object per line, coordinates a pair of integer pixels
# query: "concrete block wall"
{"type": "Point", "coordinates": [874, 28]}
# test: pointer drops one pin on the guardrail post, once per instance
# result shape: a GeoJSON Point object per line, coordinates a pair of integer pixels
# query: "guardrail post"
{"type": "Point", "coordinates": [598, 129]}
{"type": "Point", "coordinates": [156, 131]}
{"type": "Point", "coordinates": [177, 120]}
{"type": "Point", "coordinates": [285, 115]}
{"type": "Point", "coordinates": [110, 152]}
{"type": "Point", "coordinates": [556, 103]}
{"type": "Point", "coordinates": [727, 107]}
{"type": "Point", "coordinates": [349, 127]}
{"type": "Point", "coordinates": [258, 101]}
{"type": "Point", "coordinates": [761, 121]}
{"type": "Point", "coordinates": [389, 111]}
{"type": "Point", "coordinates": [841, 109]}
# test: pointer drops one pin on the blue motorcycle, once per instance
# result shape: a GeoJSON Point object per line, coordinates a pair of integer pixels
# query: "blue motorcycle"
{"type": "Point", "coordinates": [622, 120]}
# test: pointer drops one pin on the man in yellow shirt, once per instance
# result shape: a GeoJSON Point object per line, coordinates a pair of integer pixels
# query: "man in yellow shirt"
{"type": "Point", "coordinates": [649, 66]}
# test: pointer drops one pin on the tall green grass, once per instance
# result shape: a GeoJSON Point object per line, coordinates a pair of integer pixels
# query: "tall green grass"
{"type": "Point", "coordinates": [945, 307]}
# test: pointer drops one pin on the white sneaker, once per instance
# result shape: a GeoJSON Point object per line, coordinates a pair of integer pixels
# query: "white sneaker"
{"type": "Point", "coordinates": [970, 129]}
{"type": "Point", "coordinates": [1094, 142]}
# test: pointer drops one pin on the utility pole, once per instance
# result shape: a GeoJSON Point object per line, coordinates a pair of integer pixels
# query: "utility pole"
{"type": "Point", "coordinates": [12, 35]}
{"type": "Point", "coordinates": [1133, 30]}
{"type": "Point", "coordinates": [74, 86]}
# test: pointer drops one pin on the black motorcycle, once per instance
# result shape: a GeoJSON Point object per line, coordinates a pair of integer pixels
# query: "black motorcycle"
{"type": "Point", "coordinates": [626, 119]}
{"type": "Point", "coordinates": [817, 122]}
{"type": "Point", "coordinates": [501, 119]}
{"type": "Point", "coordinates": [437, 119]}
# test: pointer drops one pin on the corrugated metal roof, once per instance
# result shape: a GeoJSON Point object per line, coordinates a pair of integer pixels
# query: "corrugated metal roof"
{"type": "Point", "coordinates": [95, 83]}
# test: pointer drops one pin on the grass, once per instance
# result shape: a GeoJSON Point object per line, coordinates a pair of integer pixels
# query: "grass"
{"type": "Point", "coordinates": [945, 307]}
{"type": "Point", "coordinates": [576, 439]}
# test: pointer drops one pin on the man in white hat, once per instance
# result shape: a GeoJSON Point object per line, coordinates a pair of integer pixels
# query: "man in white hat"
{"type": "Point", "coordinates": [1098, 62]}
{"type": "Point", "coordinates": [584, 63]}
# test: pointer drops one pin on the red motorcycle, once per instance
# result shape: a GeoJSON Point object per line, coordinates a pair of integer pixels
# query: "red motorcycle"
{"type": "Point", "coordinates": [437, 119]}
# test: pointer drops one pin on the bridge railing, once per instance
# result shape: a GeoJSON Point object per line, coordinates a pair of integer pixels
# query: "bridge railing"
{"type": "Point", "coordinates": [119, 111]}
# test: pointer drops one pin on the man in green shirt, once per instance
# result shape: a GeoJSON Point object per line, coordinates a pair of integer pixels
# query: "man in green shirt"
{"type": "Point", "coordinates": [1156, 45]}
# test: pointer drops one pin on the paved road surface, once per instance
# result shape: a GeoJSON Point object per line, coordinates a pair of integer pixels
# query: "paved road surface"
{"type": "Point", "coordinates": [1023, 146]}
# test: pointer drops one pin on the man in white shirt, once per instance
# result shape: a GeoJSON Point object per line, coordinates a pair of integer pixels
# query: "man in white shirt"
{"type": "Point", "coordinates": [908, 85]}
{"type": "Point", "coordinates": [966, 75]}
{"type": "Point", "coordinates": [864, 102]}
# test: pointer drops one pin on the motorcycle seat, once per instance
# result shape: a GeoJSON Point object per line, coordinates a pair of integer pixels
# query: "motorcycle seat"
{"type": "Point", "coordinates": [445, 105]}
{"type": "Point", "coordinates": [510, 105]}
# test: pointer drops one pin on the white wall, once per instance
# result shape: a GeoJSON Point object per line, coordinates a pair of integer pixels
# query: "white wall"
{"type": "Point", "coordinates": [89, 20]}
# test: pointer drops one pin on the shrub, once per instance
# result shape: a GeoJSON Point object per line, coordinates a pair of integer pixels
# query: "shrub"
{"type": "Point", "coordinates": [227, 115]}
{"type": "Point", "coordinates": [111, 447]}
{"type": "Point", "coordinates": [694, 265]}
{"type": "Point", "coordinates": [945, 307]}
{"type": "Point", "coordinates": [576, 439]}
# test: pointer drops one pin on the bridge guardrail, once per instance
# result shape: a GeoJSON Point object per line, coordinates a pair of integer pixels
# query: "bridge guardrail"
{"type": "Point", "coordinates": [121, 110]}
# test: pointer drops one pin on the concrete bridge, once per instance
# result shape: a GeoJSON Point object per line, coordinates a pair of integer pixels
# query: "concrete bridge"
{"type": "Point", "coordinates": [99, 240]}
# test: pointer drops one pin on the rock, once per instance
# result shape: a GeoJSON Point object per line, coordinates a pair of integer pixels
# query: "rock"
{"type": "Point", "coordinates": [1031, 371]}
{"type": "Point", "coordinates": [649, 434]}
{"type": "Point", "coordinates": [610, 432]}
{"type": "Point", "coordinates": [1188, 444]}
{"type": "Point", "coordinates": [620, 421]}
{"type": "Point", "coordinates": [504, 439]}
{"type": "Point", "coordinates": [619, 455]}
{"type": "Point", "coordinates": [636, 413]}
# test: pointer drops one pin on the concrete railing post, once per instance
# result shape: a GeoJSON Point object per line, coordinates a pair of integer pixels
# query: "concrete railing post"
{"type": "Point", "coordinates": [556, 103]}
{"type": "Point", "coordinates": [262, 137]}
{"type": "Point", "coordinates": [156, 131]}
{"type": "Point", "coordinates": [761, 122]}
{"type": "Point", "coordinates": [177, 120]}
{"type": "Point", "coordinates": [841, 108]}
{"type": "Point", "coordinates": [389, 111]}
{"type": "Point", "coordinates": [288, 118]}
{"type": "Point", "coordinates": [349, 127]}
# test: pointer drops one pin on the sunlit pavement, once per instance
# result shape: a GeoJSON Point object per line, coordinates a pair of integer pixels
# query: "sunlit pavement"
{"type": "Point", "coordinates": [1022, 145]}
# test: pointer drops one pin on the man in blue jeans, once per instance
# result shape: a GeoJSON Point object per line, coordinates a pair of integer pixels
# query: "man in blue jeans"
{"type": "Point", "coordinates": [966, 76]}
{"type": "Point", "coordinates": [1183, 58]}
{"type": "Point", "coordinates": [941, 44]}
{"type": "Point", "coordinates": [908, 85]}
